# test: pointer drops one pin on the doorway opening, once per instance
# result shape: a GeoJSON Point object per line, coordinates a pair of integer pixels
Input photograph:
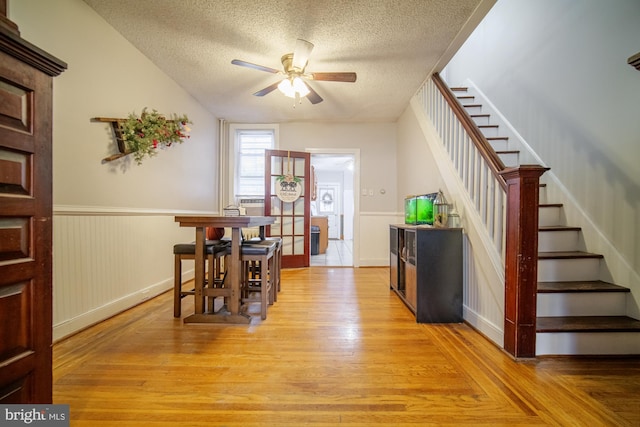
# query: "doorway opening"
{"type": "Point", "coordinates": [334, 212]}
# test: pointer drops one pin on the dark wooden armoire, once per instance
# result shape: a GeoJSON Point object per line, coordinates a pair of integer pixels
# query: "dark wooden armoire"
{"type": "Point", "coordinates": [26, 79]}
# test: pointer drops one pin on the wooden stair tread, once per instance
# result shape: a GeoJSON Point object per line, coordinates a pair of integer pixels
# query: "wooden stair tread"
{"type": "Point", "coordinates": [568, 255]}
{"type": "Point", "coordinates": [587, 324]}
{"type": "Point", "coordinates": [508, 152]}
{"type": "Point", "coordinates": [479, 115]}
{"type": "Point", "coordinates": [472, 105]}
{"type": "Point", "coordinates": [465, 96]}
{"type": "Point", "coordinates": [549, 205]}
{"type": "Point", "coordinates": [459, 89]}
{"type": "Point", "coordinates": [558, 228]}
{"type": "Point", "coordinates": [579, 286]}
{"type": "Point", "coordinates": [496, 138]}
{"type": "Point", "coordinates": [488, 126]}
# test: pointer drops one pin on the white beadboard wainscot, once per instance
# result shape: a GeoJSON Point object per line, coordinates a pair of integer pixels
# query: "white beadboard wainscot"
{"type": "Point", "coordinates": [108, 260]}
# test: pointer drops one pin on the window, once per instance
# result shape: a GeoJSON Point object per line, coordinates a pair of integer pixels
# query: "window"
{"type": "Point", "coordinates": [250, 143]}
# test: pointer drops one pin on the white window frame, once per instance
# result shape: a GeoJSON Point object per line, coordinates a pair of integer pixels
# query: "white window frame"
{"type": "Point", "coordinates": [233, 144]}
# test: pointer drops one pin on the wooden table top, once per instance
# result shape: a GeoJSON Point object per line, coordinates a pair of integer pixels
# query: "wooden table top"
{"type": "Point", "coordinates": [223, 221]}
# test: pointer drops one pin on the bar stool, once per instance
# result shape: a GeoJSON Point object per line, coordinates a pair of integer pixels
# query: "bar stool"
{"type": "Point", "coordinates": [257, 274]}
{"type": "Point", "coordinates": [215, 250]}
{"type": "Point", "coordinates": [277, 261]}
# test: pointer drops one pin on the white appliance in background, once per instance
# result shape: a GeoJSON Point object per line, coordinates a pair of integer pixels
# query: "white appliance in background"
{"type": "Point", "coordinates": [252, 207]}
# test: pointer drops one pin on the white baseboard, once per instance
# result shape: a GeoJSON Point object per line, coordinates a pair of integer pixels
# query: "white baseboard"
{"type": "Point", "coordinates": [374, 262]}
{"type": "Point", "coordinates": [484, 326]}
{"type": "Point", "coordinates": [89, 318]}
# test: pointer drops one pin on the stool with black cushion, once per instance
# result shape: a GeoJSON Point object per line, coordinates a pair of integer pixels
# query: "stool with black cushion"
{"type": "Point", "coordinates": [215, 249]}
{"type": "Point", "coordinates": [277, 259]}
{"type": "Point", "coordinates": [257, 263]}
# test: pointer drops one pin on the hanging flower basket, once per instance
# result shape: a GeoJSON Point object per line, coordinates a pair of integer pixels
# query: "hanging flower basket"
{"type": "Point", "coordinates": [145, 134]}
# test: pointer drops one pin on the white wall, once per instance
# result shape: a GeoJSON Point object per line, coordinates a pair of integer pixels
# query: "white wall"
{"type": "Point", "coordinates": [417, 171]}
{"type": "Point", "coordinates": [108, 77]}
{"type": "Point", "coordinates": [101, 210]}
{"type": "Point", "coordinates": [557, 70]}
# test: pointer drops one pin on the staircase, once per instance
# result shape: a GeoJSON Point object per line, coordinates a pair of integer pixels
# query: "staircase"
{"type": "Point", "coordinates": [577, 313]}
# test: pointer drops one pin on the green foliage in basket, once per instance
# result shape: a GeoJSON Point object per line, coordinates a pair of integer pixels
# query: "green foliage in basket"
{"type": "Point", "coordinates": [143, 135]}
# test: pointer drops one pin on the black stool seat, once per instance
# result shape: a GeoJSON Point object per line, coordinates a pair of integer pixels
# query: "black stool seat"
{"type": "Point", "coordinates": [255, 249]}
{"type": "Point", "coordinates": [211, 246]}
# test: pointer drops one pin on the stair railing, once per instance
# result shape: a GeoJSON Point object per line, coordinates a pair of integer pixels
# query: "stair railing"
{"type": "Point", "coordinates": [506, 200]}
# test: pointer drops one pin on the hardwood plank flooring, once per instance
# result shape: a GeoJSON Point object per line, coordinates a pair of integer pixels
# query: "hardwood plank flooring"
{"type": "Point", "coordinates": [337, 348]}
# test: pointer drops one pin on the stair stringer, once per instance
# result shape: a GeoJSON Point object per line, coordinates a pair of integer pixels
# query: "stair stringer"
{"type": "Point", "coordinates": [615, 268]}
{"type": "Point", "coordinates": [484, 276]}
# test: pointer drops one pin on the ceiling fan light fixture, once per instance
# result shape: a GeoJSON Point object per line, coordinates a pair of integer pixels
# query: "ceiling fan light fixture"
{"type": "Point", "coordinates": [286, 87]}
{"type": "Point", "coordinates": [294, 84]}
{"type": "Point", "coordinates": [300, 87]}
{"type": "Point", "coordinates": [292, 87]}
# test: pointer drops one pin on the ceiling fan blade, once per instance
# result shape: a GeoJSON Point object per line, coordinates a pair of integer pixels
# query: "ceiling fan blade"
{"type": "Point", "coordinates": [301, 54]}
{"type": "Point", "coordinates": [267, 89]}
{"type": "Point", "coordinates": [334, 77]}
{"type": "Point", "coordinates": [254, 66]}
{"type": "Point", "coordinates": [313, 96]}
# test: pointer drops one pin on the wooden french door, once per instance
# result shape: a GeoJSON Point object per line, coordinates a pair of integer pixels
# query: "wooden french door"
{"type": "Point", "coordinates": [292, 218]}
{"type": "Point", "coordinates": [25, 219]}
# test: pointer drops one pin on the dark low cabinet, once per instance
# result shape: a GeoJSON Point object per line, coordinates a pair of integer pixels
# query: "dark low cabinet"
{"type": "Point", "coordinates": [426, 271]}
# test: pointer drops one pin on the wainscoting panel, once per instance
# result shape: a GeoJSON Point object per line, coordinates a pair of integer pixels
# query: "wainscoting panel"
{"type": "Point", "coordinates": [104, 263]}
{"type": "Point", "coordinates": [483, 298]}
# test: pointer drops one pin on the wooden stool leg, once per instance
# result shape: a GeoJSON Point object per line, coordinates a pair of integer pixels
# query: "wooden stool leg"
{"type": "Point", "coordinates": [177, 286]}
{"type": "Point", "coordinates": [264, 283]}
{"type": "Point", "coordinates": [210, 282]}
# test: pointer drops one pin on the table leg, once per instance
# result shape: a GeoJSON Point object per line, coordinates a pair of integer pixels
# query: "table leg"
{"type": "Point", "coordinates": [234, 272]}
{"type": "Point", "coordinates": [200, 258]}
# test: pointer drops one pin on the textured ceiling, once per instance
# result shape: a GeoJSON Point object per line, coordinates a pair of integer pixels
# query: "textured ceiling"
{"type": "Point", "coordinates": [392, 45]}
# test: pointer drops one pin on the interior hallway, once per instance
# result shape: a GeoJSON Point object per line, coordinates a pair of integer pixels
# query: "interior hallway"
{"type": "Point", "coordinates": [339, 254]}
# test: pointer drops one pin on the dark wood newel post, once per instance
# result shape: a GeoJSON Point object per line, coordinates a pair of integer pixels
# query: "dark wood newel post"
{"type": "Point", "coordinates": [521, 259]}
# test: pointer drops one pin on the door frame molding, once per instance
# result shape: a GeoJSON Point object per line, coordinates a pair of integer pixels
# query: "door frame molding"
{"type": "Point", "coordinates": [355, 152]}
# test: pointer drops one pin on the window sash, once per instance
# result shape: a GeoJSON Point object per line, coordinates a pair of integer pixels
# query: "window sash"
{"type": "Point", "coordinates": [250, 167]}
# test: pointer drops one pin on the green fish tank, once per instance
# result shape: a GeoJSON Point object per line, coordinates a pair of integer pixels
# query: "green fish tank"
{"type": "Point", "coordinates": [410, 210]}
{"type": "Point", "coordinates": [424, 208]}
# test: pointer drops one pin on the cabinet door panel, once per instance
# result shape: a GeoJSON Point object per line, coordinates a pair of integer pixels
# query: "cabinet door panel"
{"type": "Point", "coordinates": [411, 285]}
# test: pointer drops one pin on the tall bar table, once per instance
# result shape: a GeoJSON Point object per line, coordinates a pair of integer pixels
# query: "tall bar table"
{"type": "Point", "coordinates": [230, 314]}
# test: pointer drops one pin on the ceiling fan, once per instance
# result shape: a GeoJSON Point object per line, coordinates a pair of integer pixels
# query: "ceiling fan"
{"type": "Point", "coordinates": [294, 65]}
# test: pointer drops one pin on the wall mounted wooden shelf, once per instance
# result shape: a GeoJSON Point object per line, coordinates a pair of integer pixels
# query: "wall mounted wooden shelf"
{"type": "Point", "coordinates": [117, 130]}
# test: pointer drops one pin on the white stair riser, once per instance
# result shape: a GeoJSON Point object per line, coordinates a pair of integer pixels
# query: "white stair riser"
{"type": "Point", "coordinates": [587, 343]}
{"type": "Point", "coordinates": [509, 159]}
{"type": "Point", "coordinates": [484, 120]}
{"type": "Point", "coordinates": [473, 110]}
{"type": "Point", "coordinates": [489, 132]}
{"type": "Point", "coordinates": [549, 216]}
{"type": "Point", "coordinates": [556, 241]}
{"type": "Point", "coordinates": [500, 144]}
{"type": "Point", "coordinates": [582, 304]}
{"type": "Point", "coordinates": [568, 270]}
{"type": "Point", "coordinates": [542, 197]}
{"type": "Point", "coordinates": [466, 101]}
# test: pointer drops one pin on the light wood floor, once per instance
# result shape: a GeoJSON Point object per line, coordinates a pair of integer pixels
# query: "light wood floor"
{"type": "Point", "coordinates": [337, 348]}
